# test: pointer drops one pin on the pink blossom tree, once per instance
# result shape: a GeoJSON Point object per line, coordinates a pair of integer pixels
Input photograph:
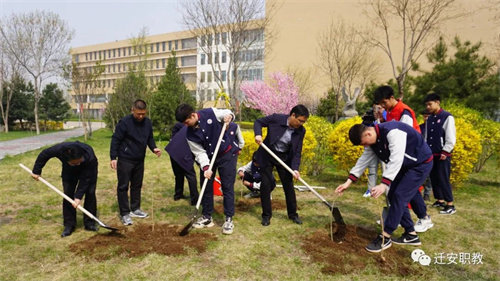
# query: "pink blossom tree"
{"type": "Point", "coordinates": [278, 96]}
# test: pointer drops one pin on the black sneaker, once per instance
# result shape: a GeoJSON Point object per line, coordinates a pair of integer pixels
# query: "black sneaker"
{"type": "Point", "coordinates": [376, 245]}
{"type": "Point", "coordinates": [408, 239]}
{"type": "Point", "coordinates": [438, 204]}
{"type": "Point", "coordinates": [448, 210]}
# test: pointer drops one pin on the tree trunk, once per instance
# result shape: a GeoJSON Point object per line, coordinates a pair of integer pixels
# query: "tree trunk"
{"type": "Point", "coordinates": [35, 111]}
{"type": "Point", "coordinates": [336, 106]}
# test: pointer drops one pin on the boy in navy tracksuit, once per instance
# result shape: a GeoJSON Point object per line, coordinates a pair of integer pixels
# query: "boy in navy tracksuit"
{"type": "Point", "coordinates": [441, 137]}
{"type": "Point", "coordinates": [79, 178]}
{"type": "Point", "coordinates": [285, 134]}
{"type": "Point", "coordinates": [251, 176]}
{"type": "Point", "coordinates": [408, 162]}
{"type": "Point", "coordinates": [204, 128]}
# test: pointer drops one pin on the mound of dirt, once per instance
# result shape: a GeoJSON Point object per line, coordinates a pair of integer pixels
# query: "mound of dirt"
{"type": "Point", "coordinates": [141, 239]}
{"type": "Point", "coordinates": [243, 205]}
{"type": "Point", "coordinates": [350, 255]}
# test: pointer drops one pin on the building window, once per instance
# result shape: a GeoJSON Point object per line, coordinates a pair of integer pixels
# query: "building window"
{"type": "Point", "coordinates": [216, 58]}
{"type": "Point", "coordinates": [189, 43]}
{"type": "Point", "coordinates": [163, 61]}
{"type": "Point", "coordinates": [203, 40]}
{"type": "Point", "coordinates": [114, 67]}
{"type": "Point", "coordinates": [202, 77]}
{"type": "Point", "coordinates": [163, 45]}
{"type": "Point", "coordinates": [209, 76]}
{"type": "Point", "coordinates": [151, 64]}
{"type": "Point", "coordinates": [119, 52]}
{"type": "Point", "coordinates": [188, 61]}
{"type": "Point", "coordinates": [157, 46]}
{"type": "Point", "coordinates": [224, 57]}
{"type": "Point", "coordinates": [124, 51]}
{"type": "Point", "coordinates": [176, 44]}
{"type": "Point", "coordinates": [224, 37]}
{"type": "Point", "coordinates": [119, 67]}
{"type": "Point", "coordinates": [223, 75]}
{"type": "Point", "coordinates": [109, 68]}
{"type": "Point", "coordinates": [217, 40]}
{"type": "Point", "coordinates": [129, 51]}
{"type": "Point", "coordinates": [170, 45]}
{"type": "Point", "coordinates": [124, 67]}
{"type": "Point", "coordinates": [202, 59]}
{"type": "Point", "coordinates": [95, 55]}
{"type": "Point", "coordinates": [157, 64]}
{"type": "Point", "coordinates": [100, 55]}
{"type": "Point", "coordinates": [86, 56]}
{"type": "Point", "coordinates": [103, 55]}
{"type": "Point", "coordinates": [76, 58]}
{"type": "Point", "coordinates": [152, 47]}
{"type": "Point", "coordinates": [109, 83]}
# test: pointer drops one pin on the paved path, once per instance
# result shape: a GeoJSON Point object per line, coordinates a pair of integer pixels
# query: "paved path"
{"type": "Point", "coordinates": [18, 146]}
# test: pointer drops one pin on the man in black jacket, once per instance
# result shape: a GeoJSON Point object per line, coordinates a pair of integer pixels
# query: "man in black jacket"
{"type": "Point", "coordinates": [79, 178]}
{"type": "Point", "coordinates": [285, 135]}
{"type": "Point", "coordinates": [132, 134]}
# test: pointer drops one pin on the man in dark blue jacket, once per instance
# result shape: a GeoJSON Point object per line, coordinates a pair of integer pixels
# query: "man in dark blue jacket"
{"type": "Point", "coordinates": [408, 162]}
{"type": "Point", "coordinates": [132, 134]}
{"type": "Point", "coordinates": [285, 135]}
{"type": "Point", "coordinates": [79, 178]}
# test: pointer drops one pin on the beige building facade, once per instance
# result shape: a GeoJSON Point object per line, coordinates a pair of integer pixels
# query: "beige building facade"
{"type": "Point", "coordinates": [297, 25]}
{"type": "Point", "coordinates": [118, 57]}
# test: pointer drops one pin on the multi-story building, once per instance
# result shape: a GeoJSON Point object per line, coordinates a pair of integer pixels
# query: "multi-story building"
{"type": "Point", "coordinates": [204, 73]}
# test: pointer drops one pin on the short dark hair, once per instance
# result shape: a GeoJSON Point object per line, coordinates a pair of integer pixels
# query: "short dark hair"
{"type": "Point", "coordinates": [356, 132]}
{"type": "Point", "coordinates": [183, 111]}
{"type": "Point", "coordinates": [432, 97]}
{"type": "Point", "coordinates": [72, 152]}
{"type": "Point", "coordinates": [139, 104]}
{"type": "Point", "coordinates": [382, 92]}
{"type": "Point", "coordinates": [300, 110]}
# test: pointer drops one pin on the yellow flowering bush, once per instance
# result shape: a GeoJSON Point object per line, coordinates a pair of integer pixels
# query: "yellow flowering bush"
{"type": "Point", "coordinates": [250, 147]}
{"type": "Point", "coordinates": [320, 128]}
{"type": "Point", "coordinates": [466, 152]}
{"type": "Point", "coordinates": [344, 153]}
{"type": "Point", "coordinates": [488, 130]}
{"type": "Point", "coordinates": [51, 125]}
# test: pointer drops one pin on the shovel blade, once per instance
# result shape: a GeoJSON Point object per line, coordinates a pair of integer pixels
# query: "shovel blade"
{"type": "Point", "coordinates": [337, 216]}
{"type": "Point", "coordinates": [187, 228]}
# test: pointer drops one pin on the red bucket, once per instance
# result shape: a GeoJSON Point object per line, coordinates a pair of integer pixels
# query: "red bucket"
{"type": "Point", "coordinates": [217, 187]}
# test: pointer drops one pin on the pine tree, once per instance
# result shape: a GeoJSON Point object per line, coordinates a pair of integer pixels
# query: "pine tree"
{"type": "Point", "coordinates": [171, 92]}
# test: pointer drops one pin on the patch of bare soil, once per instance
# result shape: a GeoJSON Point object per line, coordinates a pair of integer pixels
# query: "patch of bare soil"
{"type": "Point", "coordinates": [140, 240]}
{"type": "Point", "coordinates": [350, 255]}
{"type": "Point", "coordinates": [243, 205]}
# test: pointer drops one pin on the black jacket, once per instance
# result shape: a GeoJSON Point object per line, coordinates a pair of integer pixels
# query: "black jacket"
{"type": "Point", "coordinates": [131, 138]}
{"type": "Point", "coordinates": [276, 126]}
{"type": "Point", "coordinates": [85, 173]}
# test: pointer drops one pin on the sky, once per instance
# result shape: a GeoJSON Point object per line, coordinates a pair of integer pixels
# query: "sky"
{"type": "Point", "coordinates": [101, 21]}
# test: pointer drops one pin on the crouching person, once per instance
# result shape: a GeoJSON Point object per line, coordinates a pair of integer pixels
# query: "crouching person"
{"type": "Point", "coordinates": [408, 163]}
{"type": "Point", "coordinates": [79, 178]}
{"type": "Point", "coordinates": [251, 176]}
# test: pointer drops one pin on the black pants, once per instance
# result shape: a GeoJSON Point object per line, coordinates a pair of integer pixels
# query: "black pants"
{"type": "Point", "coordinates": [268, 184]}
{"type": "Point", "coordinates": [129, 172]}
{"type": "Point", "coordinates": [226, 165]}
{"type": "Point", "coordinates": [90, 203]}
{"type": "Point", "coordinates": [179, 174]}
{"type": "Point", "coordinates": [440, 179]}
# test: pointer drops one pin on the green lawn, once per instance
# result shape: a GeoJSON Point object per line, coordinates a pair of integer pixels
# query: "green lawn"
{"type": "Point", "coordinates": [12, 135]}
{"type": "Point", "coordinates": [31, 248]}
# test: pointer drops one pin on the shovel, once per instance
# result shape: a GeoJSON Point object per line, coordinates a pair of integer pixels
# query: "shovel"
{"type": "Point", "coordinates": [71, 201]}
{"type": "Point", "coordinates": [341, 226]}
{"type": "Point", "coordinates": [188, 227]}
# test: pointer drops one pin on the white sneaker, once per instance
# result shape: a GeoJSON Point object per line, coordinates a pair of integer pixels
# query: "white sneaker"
{"type": "Point", "coordinates": [138, 214]}
{"type": "Point", "coordinates": [228, 226]}
{"type": "Point", "coordinates": [203, 222]}
{"type": "Point", "coordinates": [423, 225]}
{"type": "Point", "coordinates": [367, 193]}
